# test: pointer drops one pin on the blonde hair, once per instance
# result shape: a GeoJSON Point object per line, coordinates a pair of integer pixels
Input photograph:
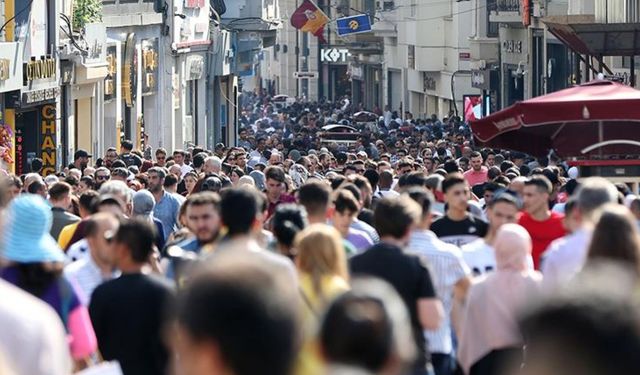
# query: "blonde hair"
{"type": "Point", "coordinates": [321, 253]}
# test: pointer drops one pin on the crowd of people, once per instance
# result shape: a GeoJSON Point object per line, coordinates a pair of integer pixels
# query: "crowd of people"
{"type": "Point", "coordinates": [406, 252]}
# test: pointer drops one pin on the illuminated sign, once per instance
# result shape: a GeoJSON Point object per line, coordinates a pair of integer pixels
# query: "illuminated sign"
{"type": "Point", "coordinates": [43, 68]}
{"type": "Point", "coordinates": [48, 136]}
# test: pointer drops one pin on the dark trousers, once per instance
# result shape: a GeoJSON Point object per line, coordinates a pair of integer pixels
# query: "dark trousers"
{"type": "Point", "coordinates": [443, 364]}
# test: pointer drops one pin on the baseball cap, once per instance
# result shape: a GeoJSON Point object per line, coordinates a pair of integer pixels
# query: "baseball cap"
{"type": "Point", "coordinates": [80, 153]}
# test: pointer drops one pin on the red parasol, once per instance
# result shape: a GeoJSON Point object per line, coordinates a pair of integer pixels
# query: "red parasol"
{"type": "Point", "coordinates": [600, 116]}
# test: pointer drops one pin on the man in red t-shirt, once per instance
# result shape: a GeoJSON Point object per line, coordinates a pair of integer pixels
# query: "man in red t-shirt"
{"type": "Point", "coordinates": [542, 224]}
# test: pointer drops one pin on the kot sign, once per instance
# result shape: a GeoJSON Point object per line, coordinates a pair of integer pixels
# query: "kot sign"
{"type": "Point", "coordinates": [334, 55]}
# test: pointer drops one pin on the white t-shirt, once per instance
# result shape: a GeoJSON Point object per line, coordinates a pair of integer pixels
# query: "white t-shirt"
{"type": "Point", "coordinates": [481, 257]}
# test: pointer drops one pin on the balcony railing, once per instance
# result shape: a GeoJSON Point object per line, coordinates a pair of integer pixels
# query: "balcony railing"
{"type": "Point", "coordinates": [508, 6]}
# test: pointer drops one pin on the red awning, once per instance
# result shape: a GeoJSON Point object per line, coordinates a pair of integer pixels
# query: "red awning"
{"type": "Point", "coordinates": [570, 121]}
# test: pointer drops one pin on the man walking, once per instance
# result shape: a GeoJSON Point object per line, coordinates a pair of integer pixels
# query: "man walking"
{"type": "Point", "coordinates": [127, 313]}
{"type": "Point", "coordinates": [60, 199]}
{"type": "Point", "coordinates": [167, 205]}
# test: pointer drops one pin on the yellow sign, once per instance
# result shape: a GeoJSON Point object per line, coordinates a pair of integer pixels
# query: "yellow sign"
{"type": "Point", "coordinates": [354, 25]}
{"type": "Point", "coordinates": [40, 69]}
{"type": "Point", "coordinates": [48, 133]}
{"type": "Point", "coordinates": [4, 69]}
{"type": "Point", "coordinates": [149, 59]}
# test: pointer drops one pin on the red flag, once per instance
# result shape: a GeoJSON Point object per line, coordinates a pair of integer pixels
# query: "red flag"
{"type": "Point", "coordinates": [309, 18]}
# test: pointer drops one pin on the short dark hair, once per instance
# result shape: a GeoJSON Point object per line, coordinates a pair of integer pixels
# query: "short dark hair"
{"type": "Point", "coordinates": [541, 182]}
{"type": "Point", "coordinates": [239, 208]}
{"type": "Point", "coordinates": [120, 172]}
{"type": "Point", "coordinates": [451, 166]}
{"type": "Point", "coordinates": [59, 190]}
{"type": "Point", "coordinates": [170, 180]}
{"type": "Point", "coordinates": [353, 189]}
{"type": "Point", "coordinates": [423, 197]}
{"type": "Point", "coordinates": [138, 236]}
{"type": "Point", "coordinates": [475, 154]}
{"type": "Point", "coordinates": [88, 200]}
{"type": "Point", "coordinates": [451, 180]}
{"type": "Point", "coordinates": [36, 165]}
{"type": "Point", "coordinates": [36, 186]}
{"type": "Point", "coordinates": [160, 151]}
{"type": "Point", "coordinates": [413, 179]}
{"type": "Point", "coordinates": [127, 145]}
{"type": "Point", "coordinates": [288, 221]}
{"type": "Point", "coordinates": [357, 331]}
{"type": "Point", "coordinates": [275, 173]}
{"type": "Point", "coordinates": [395, 216]}
{"type": "Point", "coordinates": [315, 196]}
{"type": "Point", "coordinates": [238, 302]}
{"type": "Point", "coordinates": [345, 201]}
{"type": "Point", "coordinates": [198, 160]}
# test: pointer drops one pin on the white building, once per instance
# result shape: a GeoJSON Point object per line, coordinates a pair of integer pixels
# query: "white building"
{"type": "Point", "coordinates": [426, 55]}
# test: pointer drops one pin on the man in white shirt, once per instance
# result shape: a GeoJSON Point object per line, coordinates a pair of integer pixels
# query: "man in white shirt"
{"type": "Point", "coordinates": [566, 256]}
{"type": "Point", "coordinates": [99, 266]}
{"type": "Point", "coordinates": [479, 255]}
{"type": "Point", "coordinates": [451, 278]}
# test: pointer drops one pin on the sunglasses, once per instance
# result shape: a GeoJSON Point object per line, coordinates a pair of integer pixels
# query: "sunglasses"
{"type": "Point", "coordinates": [102, 177]}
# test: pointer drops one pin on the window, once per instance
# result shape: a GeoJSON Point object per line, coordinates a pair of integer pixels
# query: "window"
{"type": "Point", "coordinates": [412, 57]}
{"type": "Point", "coordinates": [492, 27]}
{"type": "Point", "coordinates": [414, 8]}
{"type": "Point", "coordinates": [626, 62]}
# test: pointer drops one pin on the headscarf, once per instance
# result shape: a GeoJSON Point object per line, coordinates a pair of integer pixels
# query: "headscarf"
{"type": "Point", "coordinates": [512, 246]}
{"type": "Point", "coordinates": [490, 316]}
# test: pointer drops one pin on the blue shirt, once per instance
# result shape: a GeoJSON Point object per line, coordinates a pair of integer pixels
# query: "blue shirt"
{"type": "Point", "coordinates": [166, 210]}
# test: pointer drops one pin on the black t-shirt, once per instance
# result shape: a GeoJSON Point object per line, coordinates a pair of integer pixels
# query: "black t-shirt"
{"type": "Point", "coordinates": [459, 232]}
{"type": "Point", "coordinates": [127, 315]}
{"type": "Point", "coordinates": [407, 275]}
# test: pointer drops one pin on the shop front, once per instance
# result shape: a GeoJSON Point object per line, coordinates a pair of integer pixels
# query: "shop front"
{"type": "Point", "coordinates": [515, 69]}
{"type": "Point", "coordinates": [10, 84]}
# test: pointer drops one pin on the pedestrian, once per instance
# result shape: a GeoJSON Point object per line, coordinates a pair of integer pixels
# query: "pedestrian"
{"type": "Point", "coordinates": [394, 219]}
{"type": "Point", "coordinates": [366, 331]}
{"type": "Point", "coordinates": [35, 264]}
{"type": "Point", "coordinates": [346, 209]}
{"type": "Point", "coordinates": [236, 317]}
{"type": "Point", "coordinates": [458, 226]}
{"type": "Point", "coordinates": [489, 336]}
{"type": "Point", "coordinates": [167, 205]}
{"type": "Point", "coordinates": [99, 264]}
{"type": "Point", "coordinates": [323, 275]}
{"type": "Point", "coordinates": [128, 312]}
{"type": "Point", "coordinates": [543, 225]}
{"type": "Point", "coordinates": [451, 278]}
{"type": "Point", "coordinates": [276, 188]}
{"type": "Point", "coordinates": [567, 255]}
{"type": "Point", "coordinates": [60, 199]}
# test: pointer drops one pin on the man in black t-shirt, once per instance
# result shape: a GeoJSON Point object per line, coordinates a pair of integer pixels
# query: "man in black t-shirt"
{"type": "Point", "coordinates": [458, 226]}
{"type": "Point", "coordinates": [394, 219]}
{"type": "Point", "coordinates": [127, 313]}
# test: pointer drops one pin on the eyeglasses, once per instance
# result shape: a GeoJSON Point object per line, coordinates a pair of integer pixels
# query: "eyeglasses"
{"type": "Point", "coordinates": [103, 177]}
{"type": "Point", "coordinates": [161, 157]}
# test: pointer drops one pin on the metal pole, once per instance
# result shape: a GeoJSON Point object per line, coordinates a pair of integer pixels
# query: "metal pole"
{"type": "Point", "coordinates": [632, 78]}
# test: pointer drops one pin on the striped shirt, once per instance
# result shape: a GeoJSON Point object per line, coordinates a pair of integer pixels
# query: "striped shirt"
{"type": "Point", "coordinates": [86, 276]}
{"type": "Point", "coordinates": [447, 267]}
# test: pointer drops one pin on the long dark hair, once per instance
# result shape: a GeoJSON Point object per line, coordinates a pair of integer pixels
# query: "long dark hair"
{"type": "Point", "coordinates": [616, 238]}
{"type": "Point", "coordinates": [36, 278]}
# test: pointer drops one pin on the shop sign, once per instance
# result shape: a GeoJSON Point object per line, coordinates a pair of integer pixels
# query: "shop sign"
{"type": "Point", "coordinates": [112, 72]}
{"type": "Point", "coordinates": [35, 97]}
{"type": "Point", "coordinates": [149, 66]}
{"type": "Point", "coordinates": [48, 136]}
{"type": "Point", "coordinates": [480, 79]}
{"type": "Point", "coordinates": [429, 83]}
{"type": "Point", "coordinates": [11, 77]}
{"type": "Point", "coordinates": [512, 46]}
{"type": "Point", "coordinates": [334, 54]}
{"type": "Point", "coordinates": [195, 67]}
{"type": "Point", "coordinates": [129, 71]}
{"type": "Point", "coordinates": [42, 68]}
